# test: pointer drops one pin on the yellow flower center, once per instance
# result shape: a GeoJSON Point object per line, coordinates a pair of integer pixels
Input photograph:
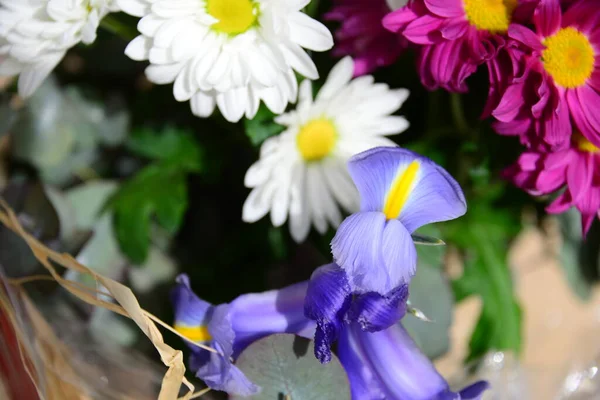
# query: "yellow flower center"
{"type": "Point", "coordinates": [490, 15]}
{"type": "Point", "coordinates": [568, 57]}
{"type": "Point", "coordinates": [400, 190]}
{"type": "Point", "coordinates": [194, 333]}
{"type": "Point", "coordinates": [583, 144]}
{"type": "Point", "coordinates": [235, 16]}
{"type": "Point", "coordinates": [316, 139]}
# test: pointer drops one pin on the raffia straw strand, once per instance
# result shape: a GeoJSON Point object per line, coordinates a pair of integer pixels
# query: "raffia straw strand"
{"type": "Point", "coordinates": [128, 305]}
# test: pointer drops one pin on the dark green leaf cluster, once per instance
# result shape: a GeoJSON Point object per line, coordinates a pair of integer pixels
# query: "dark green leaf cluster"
{"type": "Point", "coordinates": [158, 190]}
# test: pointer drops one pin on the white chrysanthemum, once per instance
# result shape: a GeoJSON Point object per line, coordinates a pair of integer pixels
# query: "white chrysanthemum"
{"type": "Point", "coordinates": [229, 53]}
{"type": "Point", "coordinates": [36, 34]}
{"type": "Point", "coordinates": [302, 172]}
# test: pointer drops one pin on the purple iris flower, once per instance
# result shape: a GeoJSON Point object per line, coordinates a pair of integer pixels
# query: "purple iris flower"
{"type": "Point", "coordinates": [375, 257]}
{"type": "Point", "coordinates": [230, 328]}
{"type": "Point", "coordinates": [388, 365]}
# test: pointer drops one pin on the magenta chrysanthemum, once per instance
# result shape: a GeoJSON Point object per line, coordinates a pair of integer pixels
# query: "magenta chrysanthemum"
{"type": "Point", "coordinates": [575, 168]}
{"type": "Point", "coordinates": [362, 35]}
{"type": "Point", "coordinates": [560, 79]}
{"type": "Point", "coordinates": [456, 36]}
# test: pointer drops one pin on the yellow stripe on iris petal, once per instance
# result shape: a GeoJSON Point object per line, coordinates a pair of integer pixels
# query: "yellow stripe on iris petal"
{"type": "Point", "coordinates": [400, 191]}
{"type": "Point", "coordinates": [194, 333]}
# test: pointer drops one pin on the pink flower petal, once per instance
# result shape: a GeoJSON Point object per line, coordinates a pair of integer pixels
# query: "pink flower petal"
{"type": "Point", "coordinates": [589, 101]}
{"type": "Point", "coordinates": [510, 103]}
{"type": "Point", "coordinates": [525, 36]}
{"type": "Point", "coordinates": [445, 8]}
{"type": "Point", "coordinates": [582, 15]}
{"type": "Point", "coordinates": [547, 17]}
{"type": "Point", "coordinates": [561, 204]}
{"type": "Point", "coordinates": [420, 30]}
{"type": "Point", "coordinates": [453, 29]}
{"type": "Point", "coordinates": [579, 117]}
{"type": "Point", "coordinates": [579, 176]}
{"type": "Point", "coordinates": [397, 20]}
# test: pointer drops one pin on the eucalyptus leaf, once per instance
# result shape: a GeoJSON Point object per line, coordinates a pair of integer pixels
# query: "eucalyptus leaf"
{"type": "Point", "coordinates": [285, 367]}
{"type": "Point", "coordinates": [430, 293]}
{"type": "Point", "coordinates": [578, 255]}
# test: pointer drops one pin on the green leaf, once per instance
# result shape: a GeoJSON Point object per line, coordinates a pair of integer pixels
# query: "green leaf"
{"type": "Point", "coordinates": [172, 146]}
{"type": "Point", "coordinates": [262, 126]}
{"type": "Point", "coordinates": [156, 190]}
{"type": "Point", "coordinates": [431, 294]}
{"type": "Point", "coordinates": [575, 253]}
{"type": "Point", "coordinates": [484, 235]}
{"type": "Point", "coordinates": [285, 367]}
{"type": "Point", "coordinates": [159, 190]}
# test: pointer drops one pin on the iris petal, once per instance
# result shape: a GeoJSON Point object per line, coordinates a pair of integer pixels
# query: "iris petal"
{"type": "Point", "coordinates": [363, 383]}
{"type": "Point", "coordinates": [374, 312]}
{"type": "Point", "coordinates": [256, 315]}
{"type": "Point", "coordinates": [404, 371]}
{"type": "Point", "coordinates": [220, 374]}
{"type": "Point", "coordinates": [377, 255]}
{"type": "Point", "coordinates": [406, 186]}
{"type": "Point", "coordinates": [190, 311]}
{"type": "Point", "coordinates": [327, 300]}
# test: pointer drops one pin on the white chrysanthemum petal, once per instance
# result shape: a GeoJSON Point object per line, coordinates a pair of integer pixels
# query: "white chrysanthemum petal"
{"type": "Point", "coordinates": [35, 35]}
{"type": "Point", "coordinates": [299, 60]}
{"type": "Point", "coordinates": [32, 76]}
{"type": "Point", "coordinates": [346, 118]}
{"type": "Point", "coordinates": [309, 33]}
{"type": "Point", "coordinates": [149, 25]}
{"type": "Point", "coordinates": [163, 74]}
{"type": "Point", "coordinates": [202, 104]}
{"type": "Point", "coordinates": [139, 48]}
{"type": "Point", "coordinates": [338, 78]}
{"type": "Point", "coordinates": [137, 8]}
{"type": "Point", "coordinates": [253, 52]}
{"type": "Point", "coordinates": [258, 203]}
{"type": "Point", "coordinates": [300, 215]}
{"type": "Point", "coordinates": [316, 198]}
{"type": "Point", "coordinates": [341, 184]}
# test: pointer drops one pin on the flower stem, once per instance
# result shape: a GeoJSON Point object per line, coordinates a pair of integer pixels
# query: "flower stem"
{"type": "Point", "coordinates": [458, 114]}
{"type": "Point", "coordinates": [112, 24]}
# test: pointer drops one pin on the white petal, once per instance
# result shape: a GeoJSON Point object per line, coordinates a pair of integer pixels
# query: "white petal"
{"type": "Point", "coordinates": [202, 104]}
{"type": "Point", "coordinates": [299, 209]}
{"type": "Point", "coordinates": [139, 48]}
{"type": "Point", "coordinates": [32, 76]}
{"type": "Point", "coordinates": [309, 33]}
{"type": "Point", "coordinates": [338, 78]}
{"type": "Point", "coordinates": [314, 189]}
{"type": "Point", "coordinates": [258, 203]}
{"type": "Point", "coordinates": [299, 60]}
{"type": "Point", "coordinates": [137, 8]}
{"type": "Point", "coordinates": [162, 74]}
{"type": "Point", "coordinates": [341, 185]}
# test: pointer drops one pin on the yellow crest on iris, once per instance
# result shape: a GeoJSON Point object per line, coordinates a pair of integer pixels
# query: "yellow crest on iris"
{"type": "Point", "coordinates": [194, 333]}
{"type": "Point", "coordinates": [400, 190]}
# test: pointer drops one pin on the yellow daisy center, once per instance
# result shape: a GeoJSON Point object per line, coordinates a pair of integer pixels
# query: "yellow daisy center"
{"type": "Point", "coordinates": [490, 15]}
{"type": "Point", "coordinates": [568, 57]}
{"type": "Point", "coordinates": [193, 333]}
{"type": "Point", "coordinates": [235, 16]}
{"type": "Point", "coordinates": [583, 144]}
{"type": "Point", "coordinates": [316, 139]}
{"type": "Point", "coordinates": [400, 191]}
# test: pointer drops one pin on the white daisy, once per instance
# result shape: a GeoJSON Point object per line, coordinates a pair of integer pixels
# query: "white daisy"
{"type": "Point", "coordinates": [36, 34]}
{"type": "Point", "coordinates": [302, 172]}
{"type": "Point", "coordinates": [229, 53]}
